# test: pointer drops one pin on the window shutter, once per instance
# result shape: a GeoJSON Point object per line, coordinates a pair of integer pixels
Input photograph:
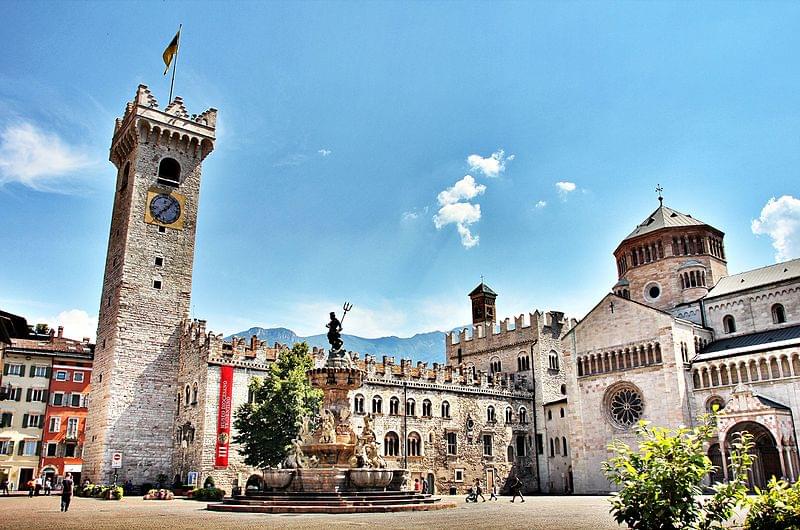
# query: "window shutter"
{"type": "Point", "coordinates": [28, 395]}
{"type": "Point", "coordinates": [67, 399]}
{"type": "Point", "coordinates": [5, 369]}
{"type": "Point", "coordinates": [24, 421]}
{"type": "Point", "coordinates": [39, 448]}
{"type": "Point", "coordinates": [21, 447]}
{"type": "Point", "coordinates": [32, 371]}
{"type": "Point", "coordinates": [19, 394]}
{"type": "Point", "coordinates": [48, 372]}
{"type": "Point", "coordinates": [45, 396]}
{"type": "Point", "coordinates": [10, 448]}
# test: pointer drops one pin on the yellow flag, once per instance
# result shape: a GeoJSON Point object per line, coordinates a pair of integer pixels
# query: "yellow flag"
{"type": "Point", "coordinates": [171, 50]}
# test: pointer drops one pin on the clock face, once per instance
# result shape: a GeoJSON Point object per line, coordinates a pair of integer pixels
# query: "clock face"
{"type": "Point", "coordinates": [165, 208]}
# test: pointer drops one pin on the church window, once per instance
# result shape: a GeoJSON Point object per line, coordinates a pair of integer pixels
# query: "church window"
{"type": "Point", "coordinates": [715, 403]}
{"type": "Point", "coordinates": [169, 172]}
{"type": "Point", "coordinates": [729, 324]}
{"type": "Point", "coordinates": [509, 415]}
{"type": "Point", "coordinates": [625, 405]}
{"type": "Point", "coordinates": [411, 408]}
{"type": "Point", "coordinates": [394, 406]}
{"type": "Point", "coordinates": [653, 291]}
{"type": "Point", "coordinates": [487, 445]}
{"type": "Point", "coordinates": [553, 360]}
{"type": "Point", "coordinates": [564, 445]}
{"type": "Point", "coordinates": [427, 408]}
{"type": "Point", "coordinates": [445, 409]}
{"type": "Point", "coordinates": [523, 415]}
{"type": "Point", "coordinates": [377, 405]}
{"type": "Point", "coordinates": [414, 445]}
{"type": "Point", "coordinates": [391, 444]}
{"type": "Point", "coordinates": [358, 404]}
{"type": "Point", "coordinates": [778, 314]}
{"type": "Point", "coordinates": [452, 443]}
{"type": "Point", "coordinates": [490, 417]}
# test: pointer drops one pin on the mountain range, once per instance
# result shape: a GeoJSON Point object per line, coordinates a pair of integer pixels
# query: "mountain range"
{"type": "Point", "coordinates": [421, 347]}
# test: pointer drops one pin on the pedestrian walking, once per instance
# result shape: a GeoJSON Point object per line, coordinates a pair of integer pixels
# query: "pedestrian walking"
{"type": "Point", "coordinates": [38, 485]}
{"type": "Point", "coordinates": [66, 492]}
{"type": "Point", "coordinates": [479, 490]}
{"type": "Point", "coordinates": [48, 485]}
{"type": "Point", "coordinates": [493, 496]}
{"type": "Point", "coordinates": [31, 486]}
{"type": "Point", "coordinates": [424, 486]}
{"type": "Point", "coordinates": [516, 489]}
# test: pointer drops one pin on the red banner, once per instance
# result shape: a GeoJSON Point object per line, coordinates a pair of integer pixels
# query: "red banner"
{"type": "Point", "coordinates": [224, 416]}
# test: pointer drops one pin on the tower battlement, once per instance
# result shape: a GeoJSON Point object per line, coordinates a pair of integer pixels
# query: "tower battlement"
{"type": "Point", "coordinates": [536, 324]}
{"type": "Point", "coordinates": [195, 340]}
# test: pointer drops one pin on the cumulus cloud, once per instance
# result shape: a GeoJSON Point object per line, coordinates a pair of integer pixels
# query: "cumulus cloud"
{"type": "Point", "coordinates": [541, 204]}
{"type": "Point", "coordinates": [492, 165]}
{"type": "Point", "coordinates": [565, 187]}
{"type": "Point", "coordinates": [34, 158]}
{"type": "Point", "coordinates": [466, 188]}
{"type": "Point", "coordinates": [325, 152]}
{"type": "Point", "coordinates": [77, 323]}
{"type": "Point", "coordinates": [461, 214]}
{"type": "Point", "coordinates": [780, 220]}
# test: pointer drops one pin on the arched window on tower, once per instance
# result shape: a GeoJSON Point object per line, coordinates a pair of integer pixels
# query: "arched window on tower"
{"type": "Point", "coordinates": [729, 324]}
{"type": "Point", "coordinates": [391, 444]}
{"type": "Point", "coordinates": [509, 415]}
{"type": "Point", "coordinates": [490, 416]}
{"type": "Point", "coordinates": [427, 408]}
{"type": "Point", "coordinates": [778, 314]}
{"type": "Point", "coordinates": [523, 415]}
{"type": "Point", "coordinates": [411, 407]}
{"type": "Point", "coordinates": [414, 445]}
{"type": "Point", "coordinates": [445, 409]}
{"type": "Point", "coordinates": [553, 360]}
{"type": "Point", "coordinates": [169, 172]}
{"type": "Point", "coordinates": [358, 404]}
{"type": "Point", "coordinates": [377, 405]}
{"type": "Point", "coordinates": [394, 406]}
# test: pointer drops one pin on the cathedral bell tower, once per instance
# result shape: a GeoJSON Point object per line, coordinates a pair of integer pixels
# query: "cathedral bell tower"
{"type": "Point", "coordinates": [147, 287]}
{"type": "Point", "coordinates": [483, 311]}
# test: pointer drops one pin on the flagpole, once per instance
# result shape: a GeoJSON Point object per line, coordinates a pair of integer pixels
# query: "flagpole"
{"type": "Point", "coordinates": [175, 64]}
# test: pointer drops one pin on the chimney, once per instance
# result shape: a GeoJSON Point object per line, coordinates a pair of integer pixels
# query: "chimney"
{"type": "Point", "coordinates": [85, 340]}
{"type": "Point", "coordinates": [60, 332]}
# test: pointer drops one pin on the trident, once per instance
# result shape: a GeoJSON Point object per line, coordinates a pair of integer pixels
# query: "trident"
{"type": "Point", "coordinates": [346, 307]}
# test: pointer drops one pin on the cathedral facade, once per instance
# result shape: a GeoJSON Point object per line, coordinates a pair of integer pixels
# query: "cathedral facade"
{"type": "Point", "coordinates": [539, 397]}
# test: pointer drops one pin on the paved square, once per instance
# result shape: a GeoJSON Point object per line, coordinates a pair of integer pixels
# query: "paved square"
{"type": "Point", "coordinates": [537, 512]}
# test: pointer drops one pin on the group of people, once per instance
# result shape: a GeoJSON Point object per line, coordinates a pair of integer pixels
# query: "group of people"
{"type": "Point", "coordinates": [514, 485]}
{"type": "Point", "coordinates": [36, 486]}
{"type": "Point", "coordinates": [45, 485]}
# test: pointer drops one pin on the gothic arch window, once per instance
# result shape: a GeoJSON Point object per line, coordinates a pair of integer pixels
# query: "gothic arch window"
{"type": "Point", "coordinates": [523, 415]}
{"type": "Point", "coordinates": [358, 404]}
{"type": "Point", "coordinates": [394, 406]}
{"type": "Point", "coordinates": [510, 453]}
{"type": "Point", "coordinates": [696, 379]}
{"type": "Point", "coordinates": [391, 444]}
{"type": "Point", "coordinates": [495, 366]}
{"type": "Point", "coordinates": [490, 416]}
{"type": "Point", "coordinates": [778, 314]}
{"type": "Point", "coordinates": [377, 405]}
{"type": "Point", "coordinates": [445, 409]}
{"type": "Point", "coordinates": [169, 172]}
{"type": "Point", "coordinates": [553, 360]}
{"type": "Point", "coordinates": [411, 407]}
{"type": "Point", "coordinates": [564, 445]}
{"type": "Point", "coordinates": [624, 405]}
{"type": "Point", "coordinates": [414, 445]}
{"type": "Point", "coordinates": [427, 408]}
{"type": "Point", "coordinates": [523, 362]}
{"type": "Point", "coordinates": [729, 324]}
{"type": "Point", "coordinates": [194, 393]}
{"type": "Point", "coordinates": [552, 448]}
{"type": "Point", "coordinates": [509, 414]}
{"type": "Point", "coordinates": [188, 395]}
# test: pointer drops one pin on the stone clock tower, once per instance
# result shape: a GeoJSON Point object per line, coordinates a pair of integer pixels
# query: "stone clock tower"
{"type": "Point", "coordinates": [147, 287]}
{"type": "Point", "coordinates": [483, 306]}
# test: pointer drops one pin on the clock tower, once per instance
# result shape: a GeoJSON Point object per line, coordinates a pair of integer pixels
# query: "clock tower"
{"type": "Point", "coordinates": [147, 286]}
{"type": "Point", "coordinates": [483, 305]}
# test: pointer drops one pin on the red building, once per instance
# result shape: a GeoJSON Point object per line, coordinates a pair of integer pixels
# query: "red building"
{"type": "Point", "coordinates": [65, 416]}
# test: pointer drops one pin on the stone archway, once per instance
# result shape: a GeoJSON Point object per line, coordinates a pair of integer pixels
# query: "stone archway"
{"type": "Point", "coordinates": [768, 461]}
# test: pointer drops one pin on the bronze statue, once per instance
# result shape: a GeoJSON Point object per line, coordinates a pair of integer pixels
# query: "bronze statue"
{"type": "Point", "coordinates": [334, 332]}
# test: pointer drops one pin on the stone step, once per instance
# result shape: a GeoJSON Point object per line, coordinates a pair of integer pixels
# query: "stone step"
{"type": "Point", "coordinates": [331, 502]}
{"type": "Point", "coordinates": [234, 508]}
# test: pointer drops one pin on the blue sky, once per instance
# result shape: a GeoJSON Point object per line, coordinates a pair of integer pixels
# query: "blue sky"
{"type": "Point", "coordinates": [347, 132]}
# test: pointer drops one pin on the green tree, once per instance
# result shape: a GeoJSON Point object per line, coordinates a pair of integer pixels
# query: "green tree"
{"type": "Point", "coordinates": [775, 508]}
{"type": "Point", "coordinates": [267, 425]}
{"type": "Point", "coordinates": [661, 481]}
{"type": "Point", "coordinates": [42, 329]}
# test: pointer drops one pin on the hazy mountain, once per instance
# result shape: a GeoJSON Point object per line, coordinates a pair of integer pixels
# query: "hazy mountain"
{"type": "Point", "coordinates": [421, 347]}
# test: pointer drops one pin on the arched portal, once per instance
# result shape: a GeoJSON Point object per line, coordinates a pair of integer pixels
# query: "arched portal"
{"type": "Point", "coordinates": [767, 458]}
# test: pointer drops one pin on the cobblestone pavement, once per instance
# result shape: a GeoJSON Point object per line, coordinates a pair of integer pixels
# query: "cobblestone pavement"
{"type": "Point", "coordinates": [537, 512]}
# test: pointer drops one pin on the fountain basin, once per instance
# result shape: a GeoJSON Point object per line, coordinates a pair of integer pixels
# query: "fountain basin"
{"type": "Point", "coordinates": [278, 479]}
{"type": "Point", "coordinates": [372, 479]}
{"type": "Point", "coordinates": [320, 480]}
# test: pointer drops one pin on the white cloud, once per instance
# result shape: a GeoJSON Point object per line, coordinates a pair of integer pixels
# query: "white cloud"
{"type": "Point", "coordinates": [466, 188]}
{"type": "Point", "coordinates": [36, 159]}
{"type": "Point", "coordinates": [565, 187]}
{"type": "Point", "coordinates": [410, 216]}
{"type": "Point", "coordinates": [540, 205]}
{"type": "Point", "coordinates": [490, 166]}
{"type": "Point", "coordinates": [77, 323]}
{"type": "Point", "coordinates": [325, 152]}
{"type": "Point", "coordinates": [780, 220]}
{"type": "Point", "coordinates": [462, 214]}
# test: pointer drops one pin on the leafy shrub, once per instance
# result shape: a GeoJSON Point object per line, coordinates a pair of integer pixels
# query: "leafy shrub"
{"type": "Point", "coordinates": [159, 495]}
{"type": "Point", "coordinates": [775, 508]}
{"type": "Point", "coordinates": [660, 483]}
{"type": "Point", "coordinates": [100, 492]}
{"type": "Point", "coordinates": [209, 483]}
{"type": "Point", "coordinates": [207, 494]}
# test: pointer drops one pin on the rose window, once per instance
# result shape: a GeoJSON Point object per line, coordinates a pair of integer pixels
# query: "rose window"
{"type": "Point", "coordinates": [625, 407]}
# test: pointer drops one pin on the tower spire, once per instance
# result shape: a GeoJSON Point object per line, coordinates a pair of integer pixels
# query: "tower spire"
{"type": "Point", "coordinates": [659, 189]}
